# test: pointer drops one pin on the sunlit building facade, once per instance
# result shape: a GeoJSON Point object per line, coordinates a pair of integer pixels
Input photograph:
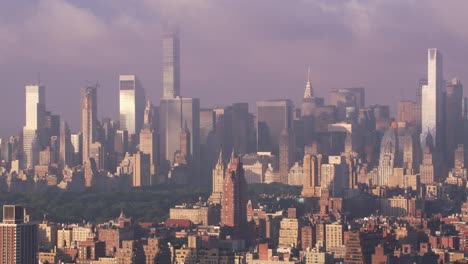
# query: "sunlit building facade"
{"type": "Point", "coordinates": [35, 114]}
{"type": "Point", "coordinates": [432, 100]}
{"type": "Point", "coordinates": [131, 104]}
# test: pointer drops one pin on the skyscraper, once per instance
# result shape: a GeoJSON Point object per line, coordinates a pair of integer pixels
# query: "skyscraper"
{"type": "Point", "coordinates": [171, 67]}
{"type": "Point", "coordinates": [388, 149]}
{"type": "Point", "coordinates": [234, 198]}
{"type": "Point", "coordinates": [218, 179]}
{"type": "Point", "coordinates": [66, 148]}
{"type": "Point", "coordinates": [309, 101]}
{"type": "Point", "coordinates": [35, 115]}
{"type": "Point", "coordinates": [286, 154]}
{"type": "Point", "coordinates": [240, 127]}
{"type": "Point", "coordinates": [272, 118]}
{"type": "Point", "coordinates": [132, 103]}
{"type": "Point", "coordinates": [141, 169]}
{"type": "Point", "coordinates": [311, 179]}
{"type": "Point", "coordinates": [174, 114]}
{"type": "Point", "coordinates": [89, 121]}
{"type": "Point", "coordinates": [35, 106]}
{"type": "Point", "coordinates": [453, 118]}
{"type": "Point", "coordinates": [77, 145]}
{"type": "Point", "coordinates": [432, 100]}
{"type": "Point", "coordinates": [18, 239]}
{"type": "Point", "coordinates": [149, 137]}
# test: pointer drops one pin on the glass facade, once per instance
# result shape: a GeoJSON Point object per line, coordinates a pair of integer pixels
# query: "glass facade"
{"type": "Point", "coordinates": [171, 67]}
{"type": "Point", "coordinates": [131, 104]}
{"type": "Point", "coordinates": [175, 114]}
{"type": "Point", "coordinates": [431, 99]}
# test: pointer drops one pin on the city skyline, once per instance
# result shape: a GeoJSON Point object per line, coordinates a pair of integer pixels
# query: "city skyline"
{"type": "Point", "coordinates": [64, 72]}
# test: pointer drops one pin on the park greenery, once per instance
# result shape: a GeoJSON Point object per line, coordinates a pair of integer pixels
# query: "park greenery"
{"type": "Point", "coordinates": [149, 204]}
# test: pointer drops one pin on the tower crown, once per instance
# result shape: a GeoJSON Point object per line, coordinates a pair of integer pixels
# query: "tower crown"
{"type": "Point", "coordinates": [308, 89]}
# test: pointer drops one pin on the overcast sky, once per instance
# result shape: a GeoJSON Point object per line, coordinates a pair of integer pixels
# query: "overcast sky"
{"type": "Point", "coordinates": [232, 50]}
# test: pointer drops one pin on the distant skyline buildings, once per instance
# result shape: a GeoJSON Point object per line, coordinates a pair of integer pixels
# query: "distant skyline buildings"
{"type": "Point", "coordinates": [273, 116]}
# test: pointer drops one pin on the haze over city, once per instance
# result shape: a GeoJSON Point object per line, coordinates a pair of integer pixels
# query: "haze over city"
{"type": "Point", "coordinates": [233, 132]}
{"type": "Point", "coordinates": [249, 50]}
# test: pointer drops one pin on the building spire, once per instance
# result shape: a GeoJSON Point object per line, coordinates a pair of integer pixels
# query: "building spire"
{"type": "Point", "coordinates": [233, 156]}
{"type": "Point", "coordinates": [220, 157]}
{"type": "Point", "coordinates": [308, 89]}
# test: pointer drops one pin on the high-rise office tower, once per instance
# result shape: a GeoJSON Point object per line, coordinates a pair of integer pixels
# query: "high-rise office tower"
{"type": "Point", "coordinates": [141, 169]}
{"type": "Point", "coordinates": [89, 121]}
{"type": "Point", "coordinates": [388, 149]}
{"type": "Point", "coordinates": [97, 151]}
{"type": "Point", "coordinates": [223, 129]}
{"type": "Point", "coordinates": [218, 180]}
{"type": "Point", "coordinates": [234, 198]}
{"type": "Point", "coordinates": [286, 154]}
{"type": "Point", "coordinates": [174, 114]}
{"type": "Point", "coordinates": [240, 127]}
{"type": "Point", "coordinates": [149, 137]}
{"type": "Point", "coordinates": [66, 148]}
{"type": "Point", "coordinates": [426, 169]}
{"type": "Point", "coordinates": [453, 118]}
{"type": "Point", "coordinates": [311, 179]}
{"type": "Point", "coordinates": [132, 104]}
{"type": "Point", "coordinates": [208, 144]}
{"type": "Point", "coordinates": [77, 144]}
{"type": "Point", "coordinates": [432, 100]}
{"type": "Point", "coordinates": [51, 128]}
{"type": "Point", "coordinates": [35, 106]}
{"type": "Point", "coordinates": [33, 129]}
{"type": "Point", "coordinates": [171, 67]}
{"type": "Point", "coordinates": [18, 238]}
{"type": "Point", "coordinates": [272, 118]}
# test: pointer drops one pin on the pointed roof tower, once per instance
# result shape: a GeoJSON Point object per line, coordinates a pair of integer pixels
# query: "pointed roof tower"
{"type": "Point", "coordinates": [220, 157]}
{"type": "Point", "coordinates": [308, 90]}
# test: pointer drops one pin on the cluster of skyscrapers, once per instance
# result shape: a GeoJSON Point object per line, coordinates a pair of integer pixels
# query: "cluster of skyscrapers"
{"type": "Point", "coordinates": [338, 153]}
{"type": "Point", "coordinates": [179, 142]}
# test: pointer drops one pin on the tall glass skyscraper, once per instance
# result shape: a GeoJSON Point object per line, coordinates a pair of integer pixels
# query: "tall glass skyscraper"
{"type": "Point", "coordinates": [431, 101]}
{"type": "Point", "coordinates": [171, 68]}
{"type": "Point", "coordinates": [174, 115]}
{"type": "Point", "coordinates": [89, 121]}
{"type": "Point", "coordinates": [35, 114]}
{"type": "Point", "coordinates": [131, 104]}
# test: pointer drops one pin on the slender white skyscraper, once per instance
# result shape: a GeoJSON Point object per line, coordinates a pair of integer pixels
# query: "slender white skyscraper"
{"type": "Point", "coordinates": [171, 68]}
{"type": "Point", "coordinates": [89, 121]}
{"type": "Point", "coordinates": [431, 101]}
{"type": "Point", "coordinates": [35, 106]}
{"type": "Point", "coordinates": [131, 103]}
{"type": "Point", "coordinates": [35, 114]}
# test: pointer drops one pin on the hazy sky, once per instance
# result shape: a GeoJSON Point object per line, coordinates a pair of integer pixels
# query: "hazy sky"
{"type": "Point", "coordinates": [232, 51]}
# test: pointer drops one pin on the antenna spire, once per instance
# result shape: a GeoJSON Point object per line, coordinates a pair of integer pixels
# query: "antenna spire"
{"type": "Point", "coordinates": [308, 89]}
